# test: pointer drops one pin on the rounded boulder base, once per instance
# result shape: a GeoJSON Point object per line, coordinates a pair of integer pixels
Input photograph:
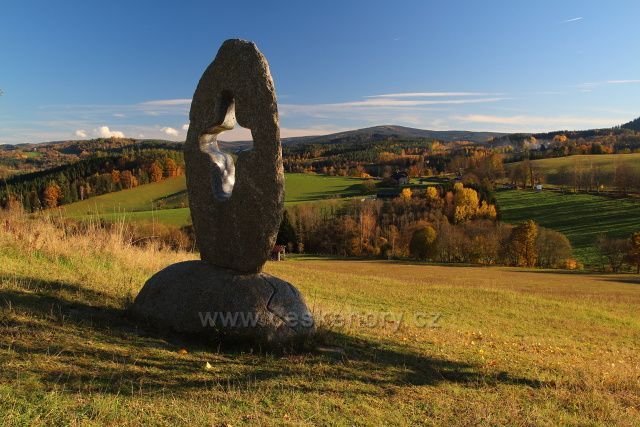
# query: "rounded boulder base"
{"type": "Point", "coordinates": [197, 298]}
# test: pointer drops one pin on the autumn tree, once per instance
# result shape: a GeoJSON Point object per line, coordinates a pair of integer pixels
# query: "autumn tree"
{"type": "Point", "coordinates": [155, 172]}
{"type": "Point", "coordinates": [128, 180]}
{"type": "Point", "coordinates": [406, 193]}
{"type": "Point", "coordinates": [422, 245]}
{"type": "Point", "coordinates": [170, 168]}
{"type": "Point", "coordinates": [466, 202]}
{"type": "Point", "coordinates": [520, 173]}
{"type": "Point", "coordinates": [468, 205]}
{"type": "Point", "coordinates": [612, 251]}
{"type": "Point", "coordinates": [634, 251]}
{"type": "Point", "coordinates": [624, 177]}
{"type": "Point", "coordinates": [554, 249]}
{"type": "Point", "coordinates": [115, 176]}
{"type": "Point", "coordinates": [367, 222]}
{"type": "Point", "coordinates": [522, 244]}
{"type": "Point", "coordinates": [432, 193]}
{"type": "Point", "coordinates": [51, 195]}
{"type": "Point", "coordinates": [392, 237]}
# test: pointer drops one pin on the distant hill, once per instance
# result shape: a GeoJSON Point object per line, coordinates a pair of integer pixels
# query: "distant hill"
{"type": "Point", "coordinates": [379, 133]}
{"type": "Point", "coordinates": [633, 125]}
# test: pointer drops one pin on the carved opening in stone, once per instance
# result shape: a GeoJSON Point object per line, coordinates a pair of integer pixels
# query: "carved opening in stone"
{"type": "Point", "coordinates": [224, 119]}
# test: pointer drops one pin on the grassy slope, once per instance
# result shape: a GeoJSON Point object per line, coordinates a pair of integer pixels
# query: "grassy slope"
{"type": "Point", "coordinates": [136, 199]}
{"type": "Point", "coordinates": [605, 162]}
{"type": "Point", "coordinates": [513, 347]}
{"type": "Point", "coordinates": [581, 217]}
{"type": "Point", "coordinates": [138, 202]}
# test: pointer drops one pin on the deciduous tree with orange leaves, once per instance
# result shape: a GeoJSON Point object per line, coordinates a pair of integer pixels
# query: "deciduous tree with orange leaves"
{"type": "Point", "coordinates": [170, 168]}
{"type": "Point", "coordinates": [51, 195]}
{"type": "Point", "coordinates": [155, 172]}
{"type": "Point", "coordinates": [522, 244]}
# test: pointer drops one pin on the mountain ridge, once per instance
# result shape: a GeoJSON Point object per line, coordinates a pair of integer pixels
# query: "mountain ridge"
{"type": "Point", "coordinates": [382, 132]}
{"type": "Point", "coordinates": [373, 133]}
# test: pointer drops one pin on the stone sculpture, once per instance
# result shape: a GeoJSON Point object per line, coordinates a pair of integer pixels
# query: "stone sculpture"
{"type": "Point", "coordinates": [236, 210]}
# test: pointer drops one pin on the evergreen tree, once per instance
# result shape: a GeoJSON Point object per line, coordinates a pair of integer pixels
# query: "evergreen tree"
{"type": "Point", "coordinates": [286, 233]}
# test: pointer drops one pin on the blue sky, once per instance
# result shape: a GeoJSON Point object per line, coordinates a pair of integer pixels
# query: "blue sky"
{"type": "Point", "coordinates": [80, 69]}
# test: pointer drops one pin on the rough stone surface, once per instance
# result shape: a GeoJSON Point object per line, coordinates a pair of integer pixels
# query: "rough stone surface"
{"type": "Point", "coordinates": [186, 296]}
{"type": "Point", "coordinates": [236, 211]}
{"type": "Point", "coordinates": [235, 217]}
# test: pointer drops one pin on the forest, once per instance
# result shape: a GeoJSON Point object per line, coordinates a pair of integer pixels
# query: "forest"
{"type": "Point", "coordinates": [456, 226]}
{"type": "Point", "coordinates": [99, 174]}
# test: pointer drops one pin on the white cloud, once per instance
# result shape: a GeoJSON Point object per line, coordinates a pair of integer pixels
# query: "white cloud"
{"type": "Point", "coordinates": [166, 102]}
{"type": "Point", "coordinates": [579, 18]}
{"type": "Point", "coordinates": [80, 133]}
{"type": "Point", "coordinates": [169, 131]}
{"type": "Point", "coordinates": [163, 107]}
{"type": "Point", "coordinates": [105, 132]}
{"type": "Point", "coordinates": [621, 82]}
{"type": "Point", "coordinates": [591, 85]}
{"type": "Point", "coordinates": [429, 94]}
{"type": "Point", "coordinates": [378, 103]}
{"type": "Point", "coordinates": [185, 126]}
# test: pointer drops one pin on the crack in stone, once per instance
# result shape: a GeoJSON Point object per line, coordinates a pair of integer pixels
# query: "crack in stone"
{"type": "Point", "coordinates": [275, 291]}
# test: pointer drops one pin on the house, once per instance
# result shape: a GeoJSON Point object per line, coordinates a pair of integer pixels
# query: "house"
{"type": "Point", "coordinates": [400, 178]}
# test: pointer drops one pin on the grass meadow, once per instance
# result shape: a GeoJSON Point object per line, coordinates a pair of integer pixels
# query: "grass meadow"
{"type": "Point", "coordinates": [581, 217]}
{"type": "Point", "coordinates": [165, 201]}
{"type": "Point", "coordinates": [400, 343]}
{"type": "Point", "coordinates": [558, 170]}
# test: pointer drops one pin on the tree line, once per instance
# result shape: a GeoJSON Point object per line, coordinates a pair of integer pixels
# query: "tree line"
{"type": "Point", "coordinates": [90, 177]}
{"type": "Point", "coordinates": [456, 226]}
{"type": "Point", "coordinates": [616, 254]}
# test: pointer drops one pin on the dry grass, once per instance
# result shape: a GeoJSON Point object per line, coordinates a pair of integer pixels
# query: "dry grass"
{"type": "Point", "coordinates": [512, 346]}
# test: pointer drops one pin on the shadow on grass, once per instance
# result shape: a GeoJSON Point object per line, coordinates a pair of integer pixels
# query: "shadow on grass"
{"type": "Point", "coordinates": [620, 277]}
{"type": "Point", "coordinates": [629, 280]}
{"type": "Point", "coordinates": [312, 257]}
{"type": "Point", "coordinates": [82, 347]}
{"type": "Point", "coordinates": [556, 271]}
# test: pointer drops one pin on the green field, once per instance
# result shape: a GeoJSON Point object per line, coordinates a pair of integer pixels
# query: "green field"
{"type": "Point", "coordinates": [581, 217]}
{"type": "Point", "coordinates": [509, 346]}
{"type": "Point", "coordinates": [162, 201]}
{"type": "Point", "coordinates": [552, 169]}
{"type": "Point", "coordinates": [142, 198]}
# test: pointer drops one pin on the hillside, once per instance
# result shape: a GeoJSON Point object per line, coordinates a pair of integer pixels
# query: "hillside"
{"type": "Point", "coordinates": [633, 125]}
{"type": "Point", "coordinates": [469, 346]}
{"type": "Point", "coordinates": [379, 133]}
{"type": "Point", "coordinates": [581, 217]}
{"type": "Point", "coordinates": [141, 198]}
{"type": "Point", "coordinates": [166, 201]}
{"type": "Point", "coordinates": [565, 170]}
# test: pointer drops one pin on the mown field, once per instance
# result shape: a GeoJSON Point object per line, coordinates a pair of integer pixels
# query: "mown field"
{"type": "Point", "coordinates": [510, 346]}
{"type": "Point", "coordinates": [559, 170]}
{"type": "Point", "coordinates": [581, 217]}
{"type": "Point", "coordinates": [164, 201]}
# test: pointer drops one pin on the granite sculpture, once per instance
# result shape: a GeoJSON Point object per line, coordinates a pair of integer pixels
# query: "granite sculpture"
{"type": "Point", "coordinates": [236, 207]}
